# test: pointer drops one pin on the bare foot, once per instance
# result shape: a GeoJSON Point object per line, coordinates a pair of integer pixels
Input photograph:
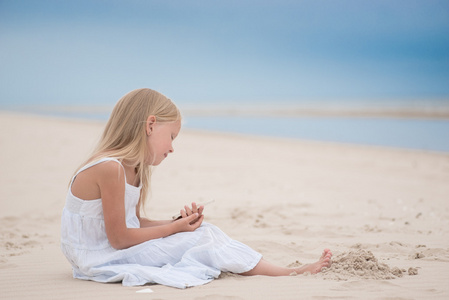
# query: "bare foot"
{"type": "Point", "coordinates": [323, 262]}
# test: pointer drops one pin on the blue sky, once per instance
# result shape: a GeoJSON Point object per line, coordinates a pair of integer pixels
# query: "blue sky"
{"type": "Point", "coordinates": [93, 52]}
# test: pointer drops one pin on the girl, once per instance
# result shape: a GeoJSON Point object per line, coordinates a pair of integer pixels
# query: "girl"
{"type": "Point", "coordinates": [105, 238]}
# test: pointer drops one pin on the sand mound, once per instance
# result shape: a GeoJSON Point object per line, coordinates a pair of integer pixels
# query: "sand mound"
{"type": "Point", "coordinates": [361, 264]}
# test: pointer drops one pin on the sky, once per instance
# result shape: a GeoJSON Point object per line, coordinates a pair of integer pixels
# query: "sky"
{"type": "Point", "coordinates": [92, 52]}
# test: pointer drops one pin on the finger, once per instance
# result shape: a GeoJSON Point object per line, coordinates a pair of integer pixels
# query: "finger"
{"type": "Point", "coordinates": [192, 218]}
{"type": "Point", "coordinates": [183, 213]}
{"type": "Point", "coordinates": [198, 222]}
{"type": "Point", "coordinates": [188, 210]}
{"type": "Point", "coordinates": [200, 210]}
{"type": "Point", "coordinates": [194, 207]}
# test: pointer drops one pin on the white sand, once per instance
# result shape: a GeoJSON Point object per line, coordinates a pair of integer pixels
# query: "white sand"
{"type": "Point", "coordinates": [288, 199]}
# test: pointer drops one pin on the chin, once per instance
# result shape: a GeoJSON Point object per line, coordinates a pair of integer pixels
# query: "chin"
{"type": "Point", "coordinates": [156, 163]}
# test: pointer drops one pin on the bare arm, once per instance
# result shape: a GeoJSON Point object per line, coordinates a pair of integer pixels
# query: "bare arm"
{"type": "Point", "coordinates": [111, 181]}
{"type": "Point", "coordinates": [144, 222]}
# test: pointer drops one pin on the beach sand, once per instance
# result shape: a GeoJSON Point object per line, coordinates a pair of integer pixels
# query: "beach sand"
{"type": "Point", "coordinates": [383, 212]}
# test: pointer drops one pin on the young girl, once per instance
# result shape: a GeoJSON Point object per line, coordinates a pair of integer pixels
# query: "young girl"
{"type": "Point", "coordinates": [103, 234]}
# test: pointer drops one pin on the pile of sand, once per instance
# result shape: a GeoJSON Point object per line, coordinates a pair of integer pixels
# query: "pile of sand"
{"type": "Point", "coordinates": [362, 264]}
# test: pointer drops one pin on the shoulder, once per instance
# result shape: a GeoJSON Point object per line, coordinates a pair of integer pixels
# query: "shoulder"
{"type": "Point", "coordinates": [110, 178]}
{"type": "Point", "coordinates": [110, 170]}
{"type": "Point", "coordinates": [103, 172]}
{"type": "Point", "coordinates": [109, 166]}
{"type": "Point", "coordinates": [92, 182]}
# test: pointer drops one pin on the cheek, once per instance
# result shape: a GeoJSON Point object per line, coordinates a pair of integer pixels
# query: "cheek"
{"type": "Point", "coordinates": [150, 146]}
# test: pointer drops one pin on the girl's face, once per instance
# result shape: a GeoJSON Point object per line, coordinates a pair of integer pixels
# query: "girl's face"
{"type": "Point", "coordinates": [160, 139]}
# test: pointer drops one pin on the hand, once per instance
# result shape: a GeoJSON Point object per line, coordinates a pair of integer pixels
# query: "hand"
{"type": "Point", "coordinates": [187, 211]}
{"type": "Point", "coordinates": [189, 223]}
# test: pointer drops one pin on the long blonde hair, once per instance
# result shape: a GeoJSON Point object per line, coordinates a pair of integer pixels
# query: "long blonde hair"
{"type": "Point", "coordinates": [125, 137]}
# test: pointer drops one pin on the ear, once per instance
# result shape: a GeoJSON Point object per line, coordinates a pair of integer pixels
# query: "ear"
{"type": "Point", "coordinates": [151, 120]}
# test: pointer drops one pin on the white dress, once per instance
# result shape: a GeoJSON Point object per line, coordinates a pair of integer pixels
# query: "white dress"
{"type": "Point", "coordinates": [181, 260]}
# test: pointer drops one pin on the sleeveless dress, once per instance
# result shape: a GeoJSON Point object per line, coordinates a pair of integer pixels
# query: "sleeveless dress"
{"type": "Point", "coordinates": [180, 260]}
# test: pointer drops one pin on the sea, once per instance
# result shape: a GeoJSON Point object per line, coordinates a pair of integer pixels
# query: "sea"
{"type": "Point", "coordinates": [419, 134]}
{"type": "Point", "coordinates": [415, 133]}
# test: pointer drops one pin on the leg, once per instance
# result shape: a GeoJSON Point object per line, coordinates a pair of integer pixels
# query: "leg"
{"type": "Point", "coordinates": [268, 269]}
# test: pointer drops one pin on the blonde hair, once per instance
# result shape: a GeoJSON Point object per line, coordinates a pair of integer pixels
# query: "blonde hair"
{"type": "Point", "coordinates": [125, 136]}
